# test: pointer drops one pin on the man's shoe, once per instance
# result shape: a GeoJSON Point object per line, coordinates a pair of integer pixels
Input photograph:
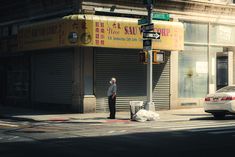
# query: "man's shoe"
{"type": "Point", "coordinates": [110, 118]}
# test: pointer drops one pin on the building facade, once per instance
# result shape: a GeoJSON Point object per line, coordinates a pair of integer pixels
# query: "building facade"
{"type": "Point", "coordinates": [39, 68]}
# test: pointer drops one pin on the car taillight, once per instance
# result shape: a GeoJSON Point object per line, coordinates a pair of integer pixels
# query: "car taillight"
{"type": "Point", "coordinates": [207, 99]}
{"type": "Point", "coordinates": [228, 98]}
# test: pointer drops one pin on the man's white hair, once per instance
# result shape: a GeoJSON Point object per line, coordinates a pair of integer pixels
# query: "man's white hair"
{"type": "Point", "coordinates": [113, 79]}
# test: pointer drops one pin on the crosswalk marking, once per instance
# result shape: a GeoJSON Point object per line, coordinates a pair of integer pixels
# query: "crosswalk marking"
{"type": "Point", "coordinates": [110, 132]}
{"type": "Point", "coordinates": [8, 125]}
{"type": "Point", "coordinates": [5, 122]}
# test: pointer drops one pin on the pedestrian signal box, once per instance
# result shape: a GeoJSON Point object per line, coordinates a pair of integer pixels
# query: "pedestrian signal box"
{"type": "Point", "coordinates": [158, 57]}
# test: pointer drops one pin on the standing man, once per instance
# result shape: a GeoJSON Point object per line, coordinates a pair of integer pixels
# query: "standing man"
{"type": "Point", "coordinates": [112, 92]}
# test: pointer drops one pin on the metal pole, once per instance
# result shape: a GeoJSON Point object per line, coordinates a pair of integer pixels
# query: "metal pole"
{"type": "Point", "coordinates": [150, 104]}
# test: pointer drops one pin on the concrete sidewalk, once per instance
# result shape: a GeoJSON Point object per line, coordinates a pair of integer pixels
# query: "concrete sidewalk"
{"type": "Point", "coordinates": [32, 115]}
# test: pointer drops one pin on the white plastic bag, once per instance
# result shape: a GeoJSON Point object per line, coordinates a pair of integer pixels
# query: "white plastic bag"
{"type": "Point", "coordinates": [144, 115]}
{"type": "Point", "coordinates": [141, 116]}
{"type": "Point", "coordinates": [153, 116]}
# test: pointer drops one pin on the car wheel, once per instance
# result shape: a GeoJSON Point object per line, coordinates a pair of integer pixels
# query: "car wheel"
{"type": "Point", "coordinates": [219, 115]}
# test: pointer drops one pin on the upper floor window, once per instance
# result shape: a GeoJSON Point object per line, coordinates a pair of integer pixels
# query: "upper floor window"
{"type": "Point", "coordinates": [222, 34]}
{"type": "Point", "coordinates": [195, 32]}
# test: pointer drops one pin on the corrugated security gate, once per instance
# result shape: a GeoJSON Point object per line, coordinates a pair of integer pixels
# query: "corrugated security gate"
{"type": "Point", "coordinates": [131, 79]}
{"type": "Point", "coordinates": [17, 80]}
{"type": "Point", "coordinates": [52, 77]}
{"type": "Point", "coordinates": [2, 81]}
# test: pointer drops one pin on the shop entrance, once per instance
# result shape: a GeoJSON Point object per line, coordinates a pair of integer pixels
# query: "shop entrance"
{"type": "Point", "coordinates": [221, 70]}
{"type": "Point", "coordinates": [131, 79]}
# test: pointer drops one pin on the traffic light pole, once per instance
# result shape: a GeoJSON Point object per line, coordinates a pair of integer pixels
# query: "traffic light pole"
{"type": "Point", "coordinates": [150, 104]}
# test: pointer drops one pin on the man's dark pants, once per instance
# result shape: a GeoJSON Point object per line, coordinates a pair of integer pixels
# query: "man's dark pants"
{"type": "Point", "coordinates": [112, 107]}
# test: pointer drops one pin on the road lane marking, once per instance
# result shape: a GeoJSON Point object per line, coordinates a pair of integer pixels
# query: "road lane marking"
{"type": "Point", "coordinates": [222, 132]}
{"type": "Point", "coordinates": [211, 129]}
{"type": "Point", "coordinates": [199, 128]}
{"type": "Point", "coordinates": [193, 126]}
{"type": "Point", "coordinates": [96, 124]}
{"type": "Point", "coordinates": [12, 138]}
{"type": "Point", "coordinates": [187, 126]}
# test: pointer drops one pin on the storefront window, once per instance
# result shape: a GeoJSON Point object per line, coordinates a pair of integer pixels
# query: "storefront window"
{"type": "Point", "coordinates": [221, 34]}
{"type": "Point", "coordinates": [193, 72]}
{"type": "Point", "coordinates": [195, 32]}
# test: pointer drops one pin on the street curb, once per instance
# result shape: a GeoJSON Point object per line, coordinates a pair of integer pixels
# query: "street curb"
{"type": "Point", "coordinates": [64, 119]}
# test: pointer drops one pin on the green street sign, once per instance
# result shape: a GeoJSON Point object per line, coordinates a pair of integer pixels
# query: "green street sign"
{"type": "Point", "coordinates": [143, 21]}
{"type": "Point", "coordinates": [161, 16]}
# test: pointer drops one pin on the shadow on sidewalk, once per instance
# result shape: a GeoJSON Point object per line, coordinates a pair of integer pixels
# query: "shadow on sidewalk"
{"type": "Point", "coordinates": [49, 110]}
{"type": "Point", "coordinates": [162, 144]}
{"type": "Point", "coordinates": [229, 117]}
{"type": "Point", "coordinates": [192, 114]}
{"type": "Point", "coordinates": [23, 114]}
{"type": "Point", "coordinates": [19, 114]}
{"type": "Point", "coordinates": [10, 117]}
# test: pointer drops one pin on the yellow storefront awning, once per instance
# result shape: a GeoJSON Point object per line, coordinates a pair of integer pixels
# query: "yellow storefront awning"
{"type": "Point", "coordinates": [98, 31]}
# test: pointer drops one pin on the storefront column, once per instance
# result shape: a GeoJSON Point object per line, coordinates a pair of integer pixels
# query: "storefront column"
{"type": "Point", "coordinates": [77, 82]}
{"type": "Point", "coordinates": [174, 80]}
{"type": "Point", "coordinates": [212, 71]}
{"type": "Point", "coordinates": [230, 68]}
{"type": "Point", "coordinates": [84, 100]}
{"type": "Point", "coordinates": [89, 100]}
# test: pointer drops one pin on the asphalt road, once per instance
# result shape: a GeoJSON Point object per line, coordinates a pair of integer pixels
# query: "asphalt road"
{"type": "Point", "coordinates": [197, 137]}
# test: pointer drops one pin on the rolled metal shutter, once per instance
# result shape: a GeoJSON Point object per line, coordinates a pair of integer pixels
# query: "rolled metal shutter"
{"type": "Point", "coordinates": [53, 77]}
{"type": "Point", "coordinates": [131, 78]}
{"type": "Point", "coordinates": [161, 84]}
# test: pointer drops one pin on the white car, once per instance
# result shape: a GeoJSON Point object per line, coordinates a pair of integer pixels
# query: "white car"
{"type": "Point", "coordinates": [220, 103]}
